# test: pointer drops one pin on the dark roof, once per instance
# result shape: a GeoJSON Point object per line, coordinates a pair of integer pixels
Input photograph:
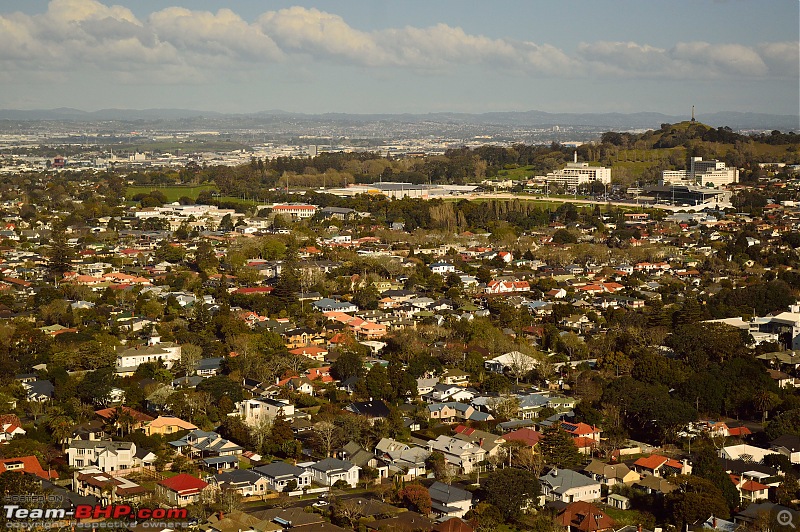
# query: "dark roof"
{"type": "Point", "coordinates": [42, 388]}
{"type": "Point", "coordinates": [238, 476]}
{"type": "Point", "coordinates": [788, 441]}
{"type": "Point", "coordinates": [209, 363]}
{"type": "Point", "coordinates": [441, 492]}
{"type": "Point", "coordinates": [369, 409]}
{"type": "Point", "coordinates": [741, 466]}
{"type": "Point", "coordinates": [278, 469]}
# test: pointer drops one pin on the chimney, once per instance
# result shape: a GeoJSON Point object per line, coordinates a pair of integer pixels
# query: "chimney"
{"type": "Point", "coordinates": [575, 157]}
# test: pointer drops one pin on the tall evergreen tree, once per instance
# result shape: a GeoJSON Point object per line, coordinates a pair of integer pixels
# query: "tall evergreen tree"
{"type": "Point", "coordinates": [61, 254]}
{"type": "Point", "coordinates": [708, 467]}
{"type": "Point", "coordinates": [558, 448]}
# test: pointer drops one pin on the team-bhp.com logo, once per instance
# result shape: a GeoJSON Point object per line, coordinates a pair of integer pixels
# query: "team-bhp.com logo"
{"type": "Point", "coordinates": [92, 511]}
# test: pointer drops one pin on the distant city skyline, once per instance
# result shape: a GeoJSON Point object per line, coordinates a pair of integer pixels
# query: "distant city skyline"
{"type": "Point", "coordinates": [415, 56]}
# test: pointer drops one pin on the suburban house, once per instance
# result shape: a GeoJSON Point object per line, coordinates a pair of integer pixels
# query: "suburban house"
{"type": "Point", "coordinates": [330, 470]}
{"type": "Point", "coordinates": [181, 490]}
{"type": "Point", "coordinates": [279, 474]}
{"type": "Point", "coordinates": [10, 429]}
{"type": "Point", "coordinates": [128, 359]}
{"type": "Point", "coordinates": [491, 443]}
{"type": "Point", "coordinates": [568, 486]}
{"type": "Point", "coordinates": [750, 489]}
{"type": "Point", "coordinates": [372, 410]}
{"type": "Point", "coordinates": [462, 454]}
{"type": "Point", "coordinates": [581, 516]}
{"type": "Point", "coordinates": [611, 474]}
{"type": "Point", "coordinates": [167, 425]}
{"type": "Point", "coordinates": [244, 481]}
{"type": "Point", "coordinates": [107, 488]}
{"type": "Point", "coordinates": [355, 454]}
{"type": "Point", "coordinates": [104, 455]}
{"type": "Point", "coordinates": [788, 445]}
{"type": "Point", "coordinates": [661, 466]}
{"type": "Point", "coordinates": [27, 464]}
{"type": "Point", "coordinates": [449, 501]}
{"type": "Point", "coordinates": [402, 458]}
{"type": "Point", "coordinates": [253, 411]}
{"type": "Point", "coordinates": [200, 443]}
{"type": "Point", "coordinates": [453, 411]}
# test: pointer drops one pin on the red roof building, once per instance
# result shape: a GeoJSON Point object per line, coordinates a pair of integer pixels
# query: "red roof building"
{"type": "Point", "coordinates": [584, 517]}
{"type": "Point", "coordinates": [26, 464]}
{"type": "Point", "coordinates": [181, 490]}
{"type": "Point", "coordinates": [528, 436]}
{"type": "Point", "coordinates": [659, 466]}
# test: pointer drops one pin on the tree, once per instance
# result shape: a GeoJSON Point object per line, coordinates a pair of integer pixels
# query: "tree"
{"type": "Point", "coordinates": [61, 254]}
{"type": "Point", "coordinates": [442, 471]}
{"type": "Point", "coordinates": [695, 499]}
{"type": "Point", "coordinates": [281, 435]}
{"type": "Point", "coordinates": [349, 511]}
{"type": "Point", "coordinates": [349, 364]}
{"type": "Point", "coordinates": [417, 497]}
{"type": "Point", "coordinates": [510, 490]}
{"type": "Point", "coordinates": [484, 517]}
{"type": "Point", "coordinates": [326, 434]}
{"type": "Point", "coordinates": [708, 467]}
{"type": "Point", "coordinates": [558, 448]}
{"type": "Point", "coordinates": [190, 357]}
{"type": "Point", "coordinates": [787, 422]}
{"type": "Point", "coordinates": [14, 483]}
{"type": "Point", "coordinates": [505, 406]}
{"type": "Point", "coordinates": [229, 499]}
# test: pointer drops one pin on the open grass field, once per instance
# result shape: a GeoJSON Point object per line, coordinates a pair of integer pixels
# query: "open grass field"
{"type": "Point", "coordinates": [173, 192]}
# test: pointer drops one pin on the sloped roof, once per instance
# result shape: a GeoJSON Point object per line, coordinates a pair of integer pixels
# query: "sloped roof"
{"type": "Point", "coordinates": [183, 483]}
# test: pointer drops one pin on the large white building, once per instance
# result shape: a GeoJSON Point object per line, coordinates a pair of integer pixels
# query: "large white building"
{"type": "Point", "coordinates": [576, 174]}
{"type": "Point", "coordinates": [254, 411]}
{"type": "Point", "coordinates": [711, 174]}
{"type": "Point", "coordinates": [294, 211]}
{"type": "Point", "coordinates": [130, 358]}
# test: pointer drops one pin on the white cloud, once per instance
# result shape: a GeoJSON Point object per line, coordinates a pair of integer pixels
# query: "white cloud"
{"type": "Point", "coordinates": [86, 35]}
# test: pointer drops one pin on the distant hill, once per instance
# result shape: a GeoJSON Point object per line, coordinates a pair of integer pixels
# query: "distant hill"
{"type": "Point", "coordinates": [612, 121]}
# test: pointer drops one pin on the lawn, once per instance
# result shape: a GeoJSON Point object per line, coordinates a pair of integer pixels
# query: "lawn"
{"type": "Point", "coordinates": [172, 192]}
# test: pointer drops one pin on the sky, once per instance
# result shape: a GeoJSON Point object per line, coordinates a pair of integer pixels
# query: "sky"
{"type": "Point", "coordinates": [409, 56]}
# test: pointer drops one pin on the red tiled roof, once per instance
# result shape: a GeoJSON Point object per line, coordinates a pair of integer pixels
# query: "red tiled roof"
{"type": "Point", "coordinates": [739, 431]}
{"type": "Point", "coordinates": [462, 429]}
{"type": "Point", "coordinates": [652, 462]}
{"type": "Point", "coordinates": [584, 517]}
{"type": "Point", "coordinates": [183, 483]}
{"type": "Point", "coordinates": [107, 413]}
{"type": "Point", "coordinates": [30, 464]}
{"type": "Point", "coordinates": [528, 436]}
{"type": "Point", "coordinates": [254, 290]}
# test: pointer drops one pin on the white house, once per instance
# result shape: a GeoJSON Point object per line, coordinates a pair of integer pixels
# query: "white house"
{"type": "Point", "coordinates": [745, 452]}
{"type": "Point", "coordinates": [279, 474]}
{"type": "Point", "coordinates": [253, 411]}
{"type": "Point", "coordinates": [104, 455]}
{"type": "Point", "coordinates": [569, 486]}
{"type": "Point", "coordinates": [462, 454]}
{"type": "Point", "coordinates": [129, 359]}
{"type": "Point", "coordinates": [442, 268]}
{"type": "Point", "coordinates": [449, 501]}
{"type": "Point", "coordinates": [331, 470]}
